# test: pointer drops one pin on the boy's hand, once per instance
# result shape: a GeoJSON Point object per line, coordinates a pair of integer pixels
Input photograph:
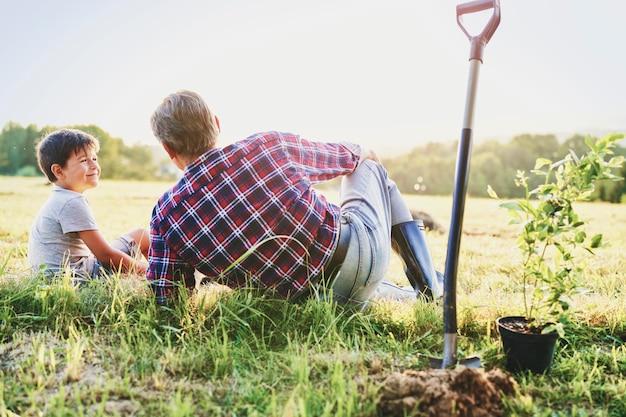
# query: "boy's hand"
{"type": "Point", "coordinates": [108, 255]}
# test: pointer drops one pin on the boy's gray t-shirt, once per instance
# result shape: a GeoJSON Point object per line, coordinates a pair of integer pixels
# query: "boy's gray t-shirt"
{"type": "Point", "coordinates": [53, 237]}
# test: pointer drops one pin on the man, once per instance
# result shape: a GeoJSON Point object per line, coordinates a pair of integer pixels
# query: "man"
{"type": "Point", "coordinates": [247, 215]}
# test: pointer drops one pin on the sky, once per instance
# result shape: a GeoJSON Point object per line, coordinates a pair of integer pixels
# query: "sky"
{"type": "Point", "coordinates": [391, 75]}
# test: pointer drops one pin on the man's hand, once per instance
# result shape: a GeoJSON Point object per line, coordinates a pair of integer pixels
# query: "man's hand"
{"type": "Point", "coordinates": [368, 154]}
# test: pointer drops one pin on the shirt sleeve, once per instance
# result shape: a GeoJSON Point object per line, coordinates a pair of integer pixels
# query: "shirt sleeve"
{"type": "Point", "coordinates": [76, 216]}
{"type": "Point", "coordinates": [165, 269]}
{"type": "Point", "coordinates": [322, 161]}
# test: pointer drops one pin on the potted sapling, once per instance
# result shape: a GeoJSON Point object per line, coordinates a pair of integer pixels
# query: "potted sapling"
{"type": "Point", "coordinates": [553, 243]}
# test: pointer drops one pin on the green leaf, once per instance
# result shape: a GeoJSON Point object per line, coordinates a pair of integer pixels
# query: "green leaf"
{"type": "Point", "coordinates": [596, 241]}
{"type": "Point", "coordinates": [580, 237]}
{"type": "Point", "coordinates": [512, 205]}
{"type": "Point", "coordinates": [542, 162]}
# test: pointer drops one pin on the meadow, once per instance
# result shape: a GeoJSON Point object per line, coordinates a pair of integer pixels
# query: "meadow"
{"type": "Point", "coordinates": [107, 349]}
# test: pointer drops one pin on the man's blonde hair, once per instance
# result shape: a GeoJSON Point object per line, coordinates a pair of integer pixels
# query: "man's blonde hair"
{"type": "Point", "coordinates": [185, 124]}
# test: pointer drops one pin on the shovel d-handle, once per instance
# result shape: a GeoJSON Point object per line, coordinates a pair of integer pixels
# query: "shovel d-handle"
{"type": "Point", "coordinates": [479, 41]}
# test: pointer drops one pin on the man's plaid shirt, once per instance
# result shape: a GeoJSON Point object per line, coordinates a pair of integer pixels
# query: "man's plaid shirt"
{"type": "Point", "coordinates": [246, 214]}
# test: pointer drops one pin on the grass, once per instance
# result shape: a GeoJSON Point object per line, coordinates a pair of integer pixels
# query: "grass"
{"type": "Point", "coordinates": [107, 349]}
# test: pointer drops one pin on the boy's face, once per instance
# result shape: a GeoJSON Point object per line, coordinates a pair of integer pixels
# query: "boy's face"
{"type": "Point", "coordinates": [81, 171]}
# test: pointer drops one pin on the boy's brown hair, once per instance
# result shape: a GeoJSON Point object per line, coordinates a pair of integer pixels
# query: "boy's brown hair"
{"type": "Point", "coordinates": [58, 146]}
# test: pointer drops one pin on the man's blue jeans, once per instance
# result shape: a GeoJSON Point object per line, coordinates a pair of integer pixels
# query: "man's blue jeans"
{"type": "Point", "coordinates": [370, 205]}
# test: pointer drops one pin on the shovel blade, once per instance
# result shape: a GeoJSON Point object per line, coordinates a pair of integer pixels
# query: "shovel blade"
{"type": "Point", "coordinates": [439, 363]}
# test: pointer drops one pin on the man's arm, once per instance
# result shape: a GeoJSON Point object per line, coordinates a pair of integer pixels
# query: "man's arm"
{"type": "Point", "coordinates": [165, 269]}
{"type": "Point", "coordinates": [321, 161]}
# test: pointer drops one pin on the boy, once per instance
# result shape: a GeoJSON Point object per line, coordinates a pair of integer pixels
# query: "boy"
{"type": "Point", "coordinates": [64, 234]}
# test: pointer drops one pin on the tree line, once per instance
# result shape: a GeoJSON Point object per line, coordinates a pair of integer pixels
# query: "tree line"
{"type": "Point", "coordinates": [428, 169]}
{"type": "Point", "coordinates": [116, 158]}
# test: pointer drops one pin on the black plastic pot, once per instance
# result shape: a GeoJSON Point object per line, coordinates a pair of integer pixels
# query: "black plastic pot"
{"type": "Point", "coordinates": [526, 351]}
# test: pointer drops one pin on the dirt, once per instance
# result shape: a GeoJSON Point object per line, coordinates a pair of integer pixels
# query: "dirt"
{"type": "Point", "coordinates": [39, 357]}
{"type": "Point", "coordinates": [429, 221]}
{"type": "Point", "coordinates": [521, 325]}
{"type": "Point", "coordinates": [460, 392]}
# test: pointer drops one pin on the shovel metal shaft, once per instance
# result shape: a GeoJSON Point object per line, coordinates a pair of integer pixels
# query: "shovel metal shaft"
{"type": "Point", "coordinates": [456, 224]}
{"type": "Point", "coordinates": [477, 45]}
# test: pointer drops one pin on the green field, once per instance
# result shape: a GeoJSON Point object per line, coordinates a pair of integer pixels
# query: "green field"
{"type": "Point", "coordinates": [108, 350]}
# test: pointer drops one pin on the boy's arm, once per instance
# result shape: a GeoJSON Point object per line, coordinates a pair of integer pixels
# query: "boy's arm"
{"type": "Point", "coordinates": [108, 255]}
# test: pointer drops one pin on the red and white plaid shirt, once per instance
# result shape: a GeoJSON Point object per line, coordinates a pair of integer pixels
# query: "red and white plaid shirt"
{"type": "Point", "coordinates": [246, 214]}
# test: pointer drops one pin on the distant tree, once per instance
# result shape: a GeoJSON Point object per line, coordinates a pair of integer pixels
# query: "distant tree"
{"type": "Point", "coordinates": [28, 171]}
{"type": "Point", "coordinates": [487, 169]}
{"type": "Point", "coordinates": [430, 168]}
{"type": "Point", "coordinates": [523, 150]}
{"type": "Point", "coordinates": [17, 147]}
{"type": "Point", "coordinates": [546, 146]}
{"type": "Point", "coordinates": [574, 144]}
{"type": "Point", "coordinates": [138, 162]}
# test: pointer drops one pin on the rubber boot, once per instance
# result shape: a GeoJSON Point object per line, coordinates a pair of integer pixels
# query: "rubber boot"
{"type": "Point", "coordinates": [409, 240]}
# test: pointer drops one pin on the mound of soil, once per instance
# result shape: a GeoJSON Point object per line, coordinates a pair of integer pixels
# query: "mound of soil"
{"type": "Point", "coordinates": [429, 221]}
{"type": "Point", "coordinates": [460, 392]}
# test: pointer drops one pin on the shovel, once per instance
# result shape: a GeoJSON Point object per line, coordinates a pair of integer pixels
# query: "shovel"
{"type": "Point", "coordinates": [478, 43]}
